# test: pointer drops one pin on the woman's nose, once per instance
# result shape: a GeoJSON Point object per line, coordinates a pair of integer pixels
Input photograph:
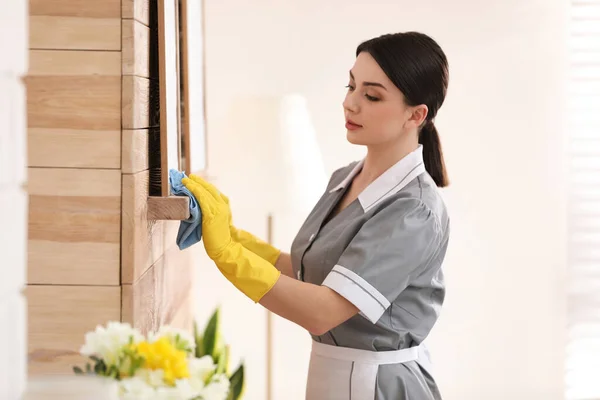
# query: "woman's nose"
{"type": "Point", "coordinates": [350, 103]}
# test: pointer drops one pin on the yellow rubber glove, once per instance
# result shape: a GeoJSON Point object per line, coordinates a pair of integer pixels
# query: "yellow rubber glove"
{"type": "Point", "coordinates": [248, 240]}
{"type": "Point", "coordinates": [251, 274]}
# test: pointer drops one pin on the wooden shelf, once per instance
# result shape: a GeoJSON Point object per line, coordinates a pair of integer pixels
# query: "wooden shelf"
{"type": "Point", "coordinates": [171, 208]}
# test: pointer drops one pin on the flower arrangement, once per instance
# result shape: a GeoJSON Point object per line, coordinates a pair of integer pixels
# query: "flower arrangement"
{"type": "Point", "coordinates": [168, 364]}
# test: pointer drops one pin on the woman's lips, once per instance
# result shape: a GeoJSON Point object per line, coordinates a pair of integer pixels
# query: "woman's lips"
{"type": "Point", "coordinates": [352, 126]}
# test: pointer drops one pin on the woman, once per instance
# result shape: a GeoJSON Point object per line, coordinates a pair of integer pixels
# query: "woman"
{"type": "Point", "coordinates": [364, 274]}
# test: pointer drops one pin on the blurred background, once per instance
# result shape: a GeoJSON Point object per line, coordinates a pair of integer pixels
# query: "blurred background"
{"type": "Point", "coordinates": [508, 141]}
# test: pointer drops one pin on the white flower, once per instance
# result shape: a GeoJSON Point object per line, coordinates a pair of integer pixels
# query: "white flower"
{"type": "Point", "coordinates": [135, 389]}
{"type": "Point", "coordinates": [180, 338]}
{"type": "Point", "coordinates": [107, 343]}
{"type": "Point", "coordinates": [217, 389]}
{"type": "Point", "coordinates": [154, 378]}
{"type": "Point", "coordinates": [181, 391]}
{"type": "Point", "coordinates": [201, 368]}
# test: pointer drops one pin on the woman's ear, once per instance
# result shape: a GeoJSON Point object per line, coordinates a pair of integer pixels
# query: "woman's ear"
{"type": "Point", "coordinates": [418, 115]}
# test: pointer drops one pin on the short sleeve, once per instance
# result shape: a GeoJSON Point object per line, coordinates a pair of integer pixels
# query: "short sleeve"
{"type": "Point", "coordinates": [390, 249]}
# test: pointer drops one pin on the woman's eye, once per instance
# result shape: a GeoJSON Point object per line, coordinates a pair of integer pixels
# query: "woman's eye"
{"type": "Point", "coordinates": [350, 87]}
{"type": "Point", "coordinates": [371, 98]}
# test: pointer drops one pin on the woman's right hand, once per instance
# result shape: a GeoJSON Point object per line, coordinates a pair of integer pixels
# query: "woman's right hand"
{"type": "Point", "coordinates": [246, 239]}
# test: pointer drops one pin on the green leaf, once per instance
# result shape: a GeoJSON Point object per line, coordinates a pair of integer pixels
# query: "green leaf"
{"type": "Point", "coordinates": [78, 370]}
{"type": "Point", "coordinates": [95, 359]}
{"type": "Point", "coordinates": [211, 333]}
{"type": "Point", "coordinates": [236, 382]}
{"type": "Point", "coordinates": [200, 347]}
{"type": "Point", "coordinates": [88, 368]}
{"type": "Point", "coordinates": [113, 372]}
{"type": "Point", "coordinates": [136, 363]}
{"type": "Point", "coordinates": [223, 361]}
{"type": "Point", "coordinates": [209, 377]}
{"type": "Point", "coordinates": [100, 368]}
{"type": "Point", "coordinates": [198, 340]}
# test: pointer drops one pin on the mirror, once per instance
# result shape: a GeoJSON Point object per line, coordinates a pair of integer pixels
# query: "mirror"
{"type": "Point", "coordinates": [193, 155]}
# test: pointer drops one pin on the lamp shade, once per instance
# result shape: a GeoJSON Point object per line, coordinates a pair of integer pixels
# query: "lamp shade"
{"type": "Point", "coordinates": [304, 177]}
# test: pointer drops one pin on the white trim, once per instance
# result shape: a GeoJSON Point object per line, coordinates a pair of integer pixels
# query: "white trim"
{"type": "Point", "coordinates": [390, 182]}
{"type": "Point", "coordinates": [358, 291]}
{"type": "Point", "coordinates": [349, 177]}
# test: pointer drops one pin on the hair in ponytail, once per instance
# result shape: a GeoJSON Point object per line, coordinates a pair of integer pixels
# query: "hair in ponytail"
{"type": "Point", "coordinates": [416, 64]}
{"type": "Point", "coordinates": [433, 156]}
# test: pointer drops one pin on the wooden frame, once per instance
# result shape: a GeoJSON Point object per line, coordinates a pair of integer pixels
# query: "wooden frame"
{"type": "Point", "coordinates": [193, 86]}
{"type": "Point", "coordinates": [169, 70]}
{"type": "Point", "coordinates": [182, 102]}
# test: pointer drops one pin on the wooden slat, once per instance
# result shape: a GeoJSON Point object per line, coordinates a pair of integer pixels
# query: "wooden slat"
{"type": "Point", "coordinates": [74, 183]}
{"type": "Point", "coordinates": [136, 48]}
{"type": "Point", "coordinates": [143, 241]}
{"type": "Point", "coordinates": [74, 63]}
{"type": "Point", "coordinates": [58, 319]}
{"type": "Point", "coordinates": [135, 151]}
{"type": "Point", "coordinates": [74, 33]}
{"type": "Point", "coordinates": [136, 99]}
{"type": "Point", "coordinates": [136, 9]}
{"type": "Point", "coordinates": [75, 24]}
{"type": "Point", "coordinates": [74, 148]}
{"type": "Point", "coordinates": [162, 295]}
{"type": "Point", "coordinates": [74, 226]}
{"type": "Point", "coordinates": [175, 208]}
{"type": "Point", "coordinates": [76, 8]}
{"type": "Point", "coordinates": [54, 262]}
{"type": "Point", "coordinates": [74, 102]}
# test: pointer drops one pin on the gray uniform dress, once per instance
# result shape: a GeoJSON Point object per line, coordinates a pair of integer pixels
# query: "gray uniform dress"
{"type": "Point", "coordinates": [384, 254]}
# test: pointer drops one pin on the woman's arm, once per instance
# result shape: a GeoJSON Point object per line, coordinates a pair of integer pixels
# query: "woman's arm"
{"type": "Point", "coordinates": [264, 279]}
{"type": "Point", "coordinates": [316, 308]}
{"type": "Point", "coordinates": [284, 264]}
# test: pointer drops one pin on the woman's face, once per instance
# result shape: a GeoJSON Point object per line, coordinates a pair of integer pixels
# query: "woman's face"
{"type": "Point", "coordinates": [375, 109]}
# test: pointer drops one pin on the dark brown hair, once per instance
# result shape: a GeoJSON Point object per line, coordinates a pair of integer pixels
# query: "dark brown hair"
{"type": "Point", "coordinates": [416, 64]}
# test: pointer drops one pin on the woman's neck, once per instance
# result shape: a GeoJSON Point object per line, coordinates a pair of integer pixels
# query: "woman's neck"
{"type": "Point", "coordinates": [379, 159]}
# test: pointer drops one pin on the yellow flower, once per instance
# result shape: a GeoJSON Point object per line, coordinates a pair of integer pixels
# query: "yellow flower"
{"type": "Point", "coordinates": [161, 354]}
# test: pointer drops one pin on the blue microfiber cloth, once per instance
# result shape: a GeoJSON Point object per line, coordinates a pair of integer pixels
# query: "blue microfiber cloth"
{"type": "Point", "coordinates": [190, 230]}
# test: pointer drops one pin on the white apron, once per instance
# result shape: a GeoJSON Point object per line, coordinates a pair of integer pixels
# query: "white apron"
{"type": "Point", "coordinates": [341, 373]}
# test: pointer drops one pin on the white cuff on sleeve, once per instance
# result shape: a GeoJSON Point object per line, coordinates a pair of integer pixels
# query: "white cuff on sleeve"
{"type": "Point", "coordinates": [371, 303]}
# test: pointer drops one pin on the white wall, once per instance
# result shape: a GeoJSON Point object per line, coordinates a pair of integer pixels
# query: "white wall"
{"type": "Point", "coordinates": [13, 199]}
{"type": "Point", "coordinates": [501, 333]}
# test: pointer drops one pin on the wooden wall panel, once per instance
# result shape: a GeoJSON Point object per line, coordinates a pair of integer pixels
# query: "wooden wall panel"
{"type": "Point", "coordinates": [73, 121]}
{"type": "Point", "coordinates": [59, 317]}
{"type": "Point", "coordinates": [74, 148]}
{"type": "Point", "coordinates": [136, 9]}
{"type": "Point", "coordinates": [71, 125]}
{"type": "Point", "coordinates": [136, 48]}
{"type": "Point", "coordinates": [74, 33]}
{"type": "Point", "coordinates": [93, 254]}
{"type": "Point", "coordinates": [162, 295]}
{"type": "Point", "coordinates": [74, 63]}
{"type": "Point", "coordinates": [74, 102]}
{"type": "Point", "coordinates": [75, 24]}
{"type": "Point", "coordinates": [143, 241]}
{"type": "Point", "coordinates": [136, 102]}
{"type": "Point", "coordinates": [76, 8]}
{"type": "Point", "coordinates": [135, 151]}
{"type": "Point", "coordinates": [74, 226]}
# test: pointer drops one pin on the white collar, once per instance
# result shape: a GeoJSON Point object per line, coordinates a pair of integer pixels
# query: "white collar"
{"type": "Point", "coordinates": [388, 183]}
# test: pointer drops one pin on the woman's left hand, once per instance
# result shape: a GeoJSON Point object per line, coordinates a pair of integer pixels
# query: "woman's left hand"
{"type": "Point", "coordinates": [216, 215]}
